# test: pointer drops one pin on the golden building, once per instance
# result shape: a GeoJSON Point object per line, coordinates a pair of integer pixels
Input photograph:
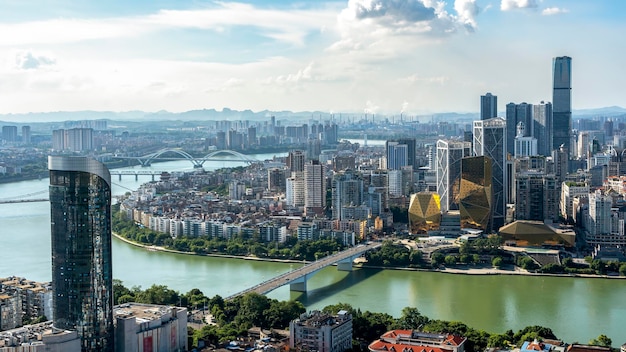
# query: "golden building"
{"type": "Point", "coordinates": [476, 194]}
{"type": "Point", "coordinates": [424, 212]}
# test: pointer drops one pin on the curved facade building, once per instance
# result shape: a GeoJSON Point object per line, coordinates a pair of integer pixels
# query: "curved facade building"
{"type": "Point", "coordinates": [424, 212]}
{"type": "Point", "coordinates": [82, 281]}
{"type": "Point", "coordinates": [476, 195]}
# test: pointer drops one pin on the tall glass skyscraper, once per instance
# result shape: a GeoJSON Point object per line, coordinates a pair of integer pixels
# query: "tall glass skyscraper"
{"type": "Point", "coordinates": [488, 106]}
{"type": "Point", "coordinates": [562, 102]}
{"type": "Point", "coordinates": [82, 281]}
{"type": "Point", "coordinates": [490, 140]}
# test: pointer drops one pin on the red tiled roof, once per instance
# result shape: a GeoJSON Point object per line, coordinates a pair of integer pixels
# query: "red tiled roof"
{"type": "Point", "coordinates": [455, 339]}
{"type": "Point", "coordinates": [383, 346]}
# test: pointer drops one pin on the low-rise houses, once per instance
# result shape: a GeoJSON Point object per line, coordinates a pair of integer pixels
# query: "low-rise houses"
{"type": "Point", "coordinates": [23, 300]}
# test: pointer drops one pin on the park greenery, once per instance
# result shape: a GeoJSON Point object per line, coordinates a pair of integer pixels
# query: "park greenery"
{"type": "Point", "coordinates": [234, 317]}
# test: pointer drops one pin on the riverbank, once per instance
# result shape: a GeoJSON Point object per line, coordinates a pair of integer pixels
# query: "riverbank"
{"type": "Point", "coordinates": [215, 255]}
{"type": "Point", "coordinates": [455, 271]}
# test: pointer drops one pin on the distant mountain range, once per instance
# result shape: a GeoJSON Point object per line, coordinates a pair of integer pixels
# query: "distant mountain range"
{"type": "Point", "coordinates": [229, 114]}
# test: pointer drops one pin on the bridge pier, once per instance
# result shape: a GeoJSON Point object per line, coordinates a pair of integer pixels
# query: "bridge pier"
{"type": "Point", "coordinates": [119, 177]}
{"type": "Point", "coordinates": [152, 177]}
{"type": "Point", "coordinates": [298, 285]}
{"type": "Point", "coordinates": [345, 265]}
{"type": "Point", "coordinates": [136, 177]}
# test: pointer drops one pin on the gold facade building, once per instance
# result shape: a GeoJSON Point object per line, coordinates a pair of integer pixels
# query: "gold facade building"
{"type": "Point", "coordinates": [424, 212]}
{"type": "Point", "coordinates": [476, 194]}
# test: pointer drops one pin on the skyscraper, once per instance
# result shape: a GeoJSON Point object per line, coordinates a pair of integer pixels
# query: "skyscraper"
{"type": "Point", "coordinates": [82, 281]}
{"type": "Point", "coordinates": [516, 114]}
{"type": "Point", "coordinates": [314, 188]}
{"type": "Point", "coordinates": [542, 127]}
{"type": "Point", "coordinates": [488, 106]}
{"type": "Point", "coordinates": [562, 102]}
{"type": "Point", "coordinates": [476, 193]}
{"type": "Point", "coordinates": [490, 140]}
{"type": "Point", "coordinates": [449, 155]}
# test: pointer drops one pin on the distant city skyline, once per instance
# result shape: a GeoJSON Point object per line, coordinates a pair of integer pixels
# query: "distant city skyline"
{"type": "Point", "coordinates": [370, 56]}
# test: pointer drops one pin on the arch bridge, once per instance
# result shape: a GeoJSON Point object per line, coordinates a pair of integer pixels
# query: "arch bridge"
{"type": "Point", "coordinates": [147, 159]}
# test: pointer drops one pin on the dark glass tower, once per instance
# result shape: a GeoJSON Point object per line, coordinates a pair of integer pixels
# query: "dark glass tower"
{"type": "Point", "coordinates": [82, 282]}
{"type": "Point", "coordinates": [562, 102]}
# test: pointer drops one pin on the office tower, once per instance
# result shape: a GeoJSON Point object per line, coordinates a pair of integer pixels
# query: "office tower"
{"type": "Point", "coordinates": [562, 102]}
{"type": "Point", "coordinates": [314, 188]}
{"type": "Point", "coordinates": [295, 161]}
{"type": "Point", "coordinates": [542, 127]}
{"type": "Point", "coordinates": [424, 212]}
{"type": "Point", "coordinates": [347, 190]}
{"type": "Point", "coordinates": [476, 193]}
{"type": "Point", "coordinates": [25, 134]}
{"type": "Point", "coordinates": [517, 114]}
{"type": "Point", "coordinates": [82, 281]}
{"type": "Point", "coordinates": [448, 171]}
{"type": "Point", "coordinates": [9, 134]}
{"type": "Point", "coordinates": [488, 106]}
{"type": "Point", "coordinates": [490, 140]}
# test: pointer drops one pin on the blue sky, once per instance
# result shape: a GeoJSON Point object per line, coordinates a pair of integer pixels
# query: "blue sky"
{"type": "Point", "coordinates": [374, 56]}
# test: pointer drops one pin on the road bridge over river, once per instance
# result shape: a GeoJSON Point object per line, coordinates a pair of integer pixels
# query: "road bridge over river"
{"type": "Point", "coordinates": [297, 278]}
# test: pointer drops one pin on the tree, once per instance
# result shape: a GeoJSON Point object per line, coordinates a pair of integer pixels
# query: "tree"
{"type": "Point", "coordinates": [437, 258]}
{"type": "Point", "coordinates": [411, 318]}
{"type": "Point", "coordinates": [622, 269]}
{"type": "Point", "coordinates": [450, 260]}
{"type": "Point", "coordinates": [601, 340]}
{"type": "Point", "coordinates": [496, 262]}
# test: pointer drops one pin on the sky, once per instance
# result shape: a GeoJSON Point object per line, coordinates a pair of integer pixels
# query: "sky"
{"type": "Point", "coordinates": [359, 56]}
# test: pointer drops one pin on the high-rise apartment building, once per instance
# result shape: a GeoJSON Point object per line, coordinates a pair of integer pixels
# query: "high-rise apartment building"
{"type": "Point", "coordinates": [542, 127]}
{"type": "Point", "coordinates": [25, 134]}
{"type": "Point", "coordinates": [82, 281]}
{"type": "Point", "coordinates": [488, 106]}
{"type": "Point", "coordinates": [562, 102]}
{"type": "Point", "coordinates": [9, 134]}
{"type": "Point", "coordinates": [314, 188]}
{"type": "Point", "coordinates": [400, 153]}
{"type": "Point", "coordinates": [295, 161]}
{"type": "Point", "coordinates": [490, 140]}
{"type": "Point", "coordinates": [75, 139]}
{"type": "Point", "coordinates": [448, 171]}
{"type": "Point", "coordinates": [347, 190]}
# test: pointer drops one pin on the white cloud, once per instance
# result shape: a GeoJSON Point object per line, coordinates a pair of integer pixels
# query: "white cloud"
{"type": "Point", "coordinates": [467, 11]}
{"type": "Point", "coordinates": [291, 25]}
{"type": "Point", "coordinates": [553, 11]}
{"type": "Point", "coordinates": [507, 5]}
{"type": "Point", "coordinates": [26, 60]}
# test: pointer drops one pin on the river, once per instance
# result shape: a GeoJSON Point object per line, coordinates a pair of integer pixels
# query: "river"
{"type": "Point", "coordinates": [577, 309]}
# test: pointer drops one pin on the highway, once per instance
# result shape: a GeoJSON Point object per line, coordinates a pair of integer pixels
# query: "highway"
{"type": "Point", "coordinates": [291, 276]}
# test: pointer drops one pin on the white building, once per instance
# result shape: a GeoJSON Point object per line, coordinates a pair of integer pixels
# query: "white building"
{"type": "Point", "coordinates": [321, 332]}
{"type": "Point", "coordinates": [39, 338]}
{"type": "Point", "coordinates": [569, 190]}
{"type": "Point", "coordinates": [294, 193]}
{"type": "Point", "coordinates": [148, 327]}
{"type": "Point", "coordinates": [395, 183]}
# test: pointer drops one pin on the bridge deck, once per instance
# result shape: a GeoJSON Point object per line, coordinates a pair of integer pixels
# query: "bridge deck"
{"type": "Point", "coordinates": [291, 276]}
